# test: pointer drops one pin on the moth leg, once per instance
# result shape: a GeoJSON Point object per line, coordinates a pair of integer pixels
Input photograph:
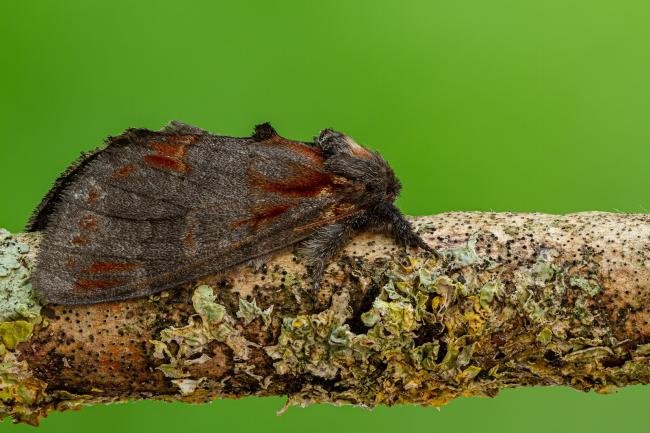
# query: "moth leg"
{"type": "Point", "coordinates": [321, 247]}
{"type": "Point", "coordinates": [401, 229]}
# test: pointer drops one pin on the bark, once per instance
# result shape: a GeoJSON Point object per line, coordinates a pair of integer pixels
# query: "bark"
{"type": "Point", "coordinates": [509, 300]}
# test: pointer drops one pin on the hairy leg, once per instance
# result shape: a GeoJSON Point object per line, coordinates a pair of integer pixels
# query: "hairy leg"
{"type": "Point", "coordinates": [403, 233]}
{"type": "Point", "coordinates": [322, 246]}
{"type": "Point", "coordinates": [319, 249]}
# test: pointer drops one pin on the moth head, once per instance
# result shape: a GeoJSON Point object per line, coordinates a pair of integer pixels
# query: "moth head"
{"type": "Point", "coordinates": [347, 158]}
{"type": "Point", "coordinates": [381, 183]}
{"type": "Point", "coordinates": [393, 185]}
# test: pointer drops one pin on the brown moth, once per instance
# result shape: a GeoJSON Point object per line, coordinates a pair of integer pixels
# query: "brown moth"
{"type": "Point", "coordinates": [155, 209]}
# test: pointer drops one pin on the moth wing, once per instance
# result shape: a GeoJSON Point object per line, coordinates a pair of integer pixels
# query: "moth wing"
{"type": "Point", "coordinates": [154, 210]}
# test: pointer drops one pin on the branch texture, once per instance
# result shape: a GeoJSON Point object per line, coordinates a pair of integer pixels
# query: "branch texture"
{"type": "Point", "coordinates": [509, 300]}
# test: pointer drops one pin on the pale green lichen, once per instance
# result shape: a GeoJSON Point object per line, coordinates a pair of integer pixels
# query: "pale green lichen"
{"type": "Point", "coordinates": [538, 288]}
{"type": "Point", "coordinates": [249, 311]}
{"type": "Point", "coordinates": [543, 270]}
{"type": "Point", "coordinates": [12, 333]}
{"type": "Point", "coordinates": [489, 291]}
{"type": "Point", "coordinates": [588, 354]}
{"type": "Point", "coordinates": [581, 311]}
{"type": "Point", "coordinates": [468, 374]}
{"type": "Point", "coordinates": [544, 336]}
{"type": "Point", "coordinates": [425, 356]}
{"type": "Point", "coordinates": [395, 315]}
{"type": "Point", "coordinates": [188, 386]}
{"type": "Point", "coordinates": [17, 298]}
{"type": "Point", "coordinates": [19, 313]}
{"type": "Point", "coordinates": [584, 284]}
{"type": "Point", "coordinates": [211, 323]}
{"type": "Point", "coordinates": [463, 256]}
{"type": "Point", "coordinates": [204, 304]}
{"type": "Point", "coordinates": [642, 349]}
{"type": "Point", "coordinates": [318, 344]}
{"type": "Point", "coordinates": [20, 392]}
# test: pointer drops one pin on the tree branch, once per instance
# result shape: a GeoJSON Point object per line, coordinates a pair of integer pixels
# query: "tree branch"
{"type": "Point", "coordinates": [511, 300]}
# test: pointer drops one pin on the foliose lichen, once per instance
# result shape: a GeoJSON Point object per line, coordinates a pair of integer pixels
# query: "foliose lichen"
{"type": "Point", "coordinates": [441, 328]}
{"type": "Point", "coordinates": [21, 395]}
{"type": "Point", "coordinates": [249, 311]}
{"type": "Point", "coordinates": [17, 298]}
{"type": "Point", "coordinates": [390, 362]}
{"type": "Point", "coordinates": [184, 346]}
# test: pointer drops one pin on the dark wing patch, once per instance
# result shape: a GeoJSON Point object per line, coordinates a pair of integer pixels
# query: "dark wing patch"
{"type": "Point", "coordinates": [166, 163]}
{"type": "Point", "coordinates": [302, 181]}
{"type": "Point", "coordinates": [170, 154]}
{"type": "Point", "coordinates": [94, 284]}
{"type": "Point", "coordinates": [264, 215]}
{"type": "Point", "coordinates": [123, 171]}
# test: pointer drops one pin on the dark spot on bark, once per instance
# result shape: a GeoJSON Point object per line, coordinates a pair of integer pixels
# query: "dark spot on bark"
{"type": "Point", "coordinates": [552, 357]}
{"type": "Point", "coordinates": [612, 361]}
{"type": "Point", "coordinates": [429, 332]}
{"type": "Point", "coordinates": [365, 304]}
{"type": "Point", "coordinates": [441, 352]}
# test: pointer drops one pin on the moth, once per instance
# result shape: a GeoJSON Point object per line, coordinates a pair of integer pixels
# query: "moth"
{"type": "Point", "coordinates": [155, 209]}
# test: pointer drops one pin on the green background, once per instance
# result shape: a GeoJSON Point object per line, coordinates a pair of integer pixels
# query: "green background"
{"type": "Point", "coordinates": [478, 105]}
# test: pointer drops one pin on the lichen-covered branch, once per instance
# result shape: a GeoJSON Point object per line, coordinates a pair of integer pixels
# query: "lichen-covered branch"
{"type": "Point", "coordinates": [509, 300]}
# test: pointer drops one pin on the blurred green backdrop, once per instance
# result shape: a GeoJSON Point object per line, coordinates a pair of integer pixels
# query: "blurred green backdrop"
{"type": "Point", "coordinates": [478, 105]}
